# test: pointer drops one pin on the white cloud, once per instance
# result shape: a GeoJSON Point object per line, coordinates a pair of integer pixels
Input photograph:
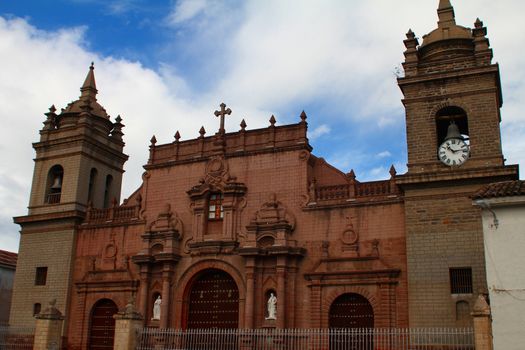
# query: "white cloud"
{"type": "Point", "coordinates": [185, 10]}
{"type": "Point", "coordinates": [319, 131]}
{"type": "Point", "coordinates": [267, 57]}
{"type": "Point", "coordinates": [384, 154]}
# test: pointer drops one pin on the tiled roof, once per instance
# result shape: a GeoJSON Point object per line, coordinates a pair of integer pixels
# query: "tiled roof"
{"type": "Point", "coordinates": [501, 189]}
{"type": "Point", "coordinates": [8, 258]}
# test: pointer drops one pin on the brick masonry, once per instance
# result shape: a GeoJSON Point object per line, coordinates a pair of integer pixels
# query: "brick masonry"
{"type": "Point", "coordinates": [293, 224]}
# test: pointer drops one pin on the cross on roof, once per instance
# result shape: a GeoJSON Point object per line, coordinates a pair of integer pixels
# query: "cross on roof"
{"type": "Point", "coordinates": [222, 114]}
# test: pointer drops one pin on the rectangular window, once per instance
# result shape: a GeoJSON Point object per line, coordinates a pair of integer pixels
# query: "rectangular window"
{"type": "Point", "coordinates": [215, 211]}
{"type": "Point", "coordinates": [41, 276]}
{"type": "Point", "coordinates": [460, 280]}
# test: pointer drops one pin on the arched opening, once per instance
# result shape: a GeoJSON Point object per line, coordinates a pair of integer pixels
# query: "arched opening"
{"type": "Point", "coordinates": [91, 185]}
{"type": "Point", "coordinates": [102, 325]}
{"type": "Point", "coordinates": [54, 184]}
{"type": "Point", "coordinates": [463, 317]}
{"type": "Point", "coordinates": [352, 311]}
{"type": "Point", "coordinates": [447, 115]}
{"type": "Point", "coordinates": [212, 301]}
{"type": "Point", "coordinates": [107, 191]}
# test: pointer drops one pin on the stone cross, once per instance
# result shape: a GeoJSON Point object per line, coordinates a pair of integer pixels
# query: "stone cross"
{"type": "Point", "coordinates": [222, 114]}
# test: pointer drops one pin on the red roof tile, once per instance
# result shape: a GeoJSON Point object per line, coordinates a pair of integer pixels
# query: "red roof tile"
{"type": "Point", "coordinates": [8, 258]}
{"type": "Point", "coordinates": [501, 189]}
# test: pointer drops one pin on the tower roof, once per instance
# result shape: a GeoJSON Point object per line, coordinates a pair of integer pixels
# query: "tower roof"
{"type": "Point", "coordinates": [447, 27]}
{"type": "Point", "coordinates": [88, 98]}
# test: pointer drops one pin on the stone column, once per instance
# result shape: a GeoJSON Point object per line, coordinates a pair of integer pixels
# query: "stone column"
{"type": "Point", "coordinates": [281, 291]}
{"type": "Point", "coordinates": [482, 324]}
{"type": "Point", "coordinates": [165, 306]}
{"type": "Point", "coordinates": [126, 324]}
{"type": "Point", "coordinates": [143, 290]}
{"type": "Point", "coordinates": [48, 332]}
{"type": "Point", "coordinates": [249, 306]}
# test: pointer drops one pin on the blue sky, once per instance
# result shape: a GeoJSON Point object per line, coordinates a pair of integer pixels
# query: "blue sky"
{"type": "Point", "coordinates": [167, 65]}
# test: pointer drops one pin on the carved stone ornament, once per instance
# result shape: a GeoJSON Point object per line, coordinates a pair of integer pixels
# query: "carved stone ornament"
{"type": "Point", "coordinates": [166, 221]}
{"type": "Point", "coordinates": [273, 212]}
{"type": "Point", "coordinates": [216, 171]}
{"type": "Point", "coordinates": [349, 235]}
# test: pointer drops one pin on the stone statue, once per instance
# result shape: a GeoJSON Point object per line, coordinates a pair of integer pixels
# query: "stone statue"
{"type": "Point", "coordinates": [272, 307]}
{"type": "Point", "coordinates": [156, 308]}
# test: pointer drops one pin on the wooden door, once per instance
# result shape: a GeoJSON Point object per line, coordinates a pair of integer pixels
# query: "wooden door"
{"type": "Point", "coordinates": [102, 325]}
{"type": "Point", "coordinates": [354, 312]}
{"type": "Point", "coordinates": [213, 301]}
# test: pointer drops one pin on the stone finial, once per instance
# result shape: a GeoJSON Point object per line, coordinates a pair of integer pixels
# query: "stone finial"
{"type": "Point", "coordinates": [52, 109]}
{"type": "Point", "coordinates": [177, 136]}
{"type": "Point", "coordinates": [117, 128]}
{"type": "Point", "coordinates": [243, 125]}
{"type": "Point", "coordinates": [478, 24]}
{"type": "Point", "coordinates": [272, 120]}
{"type": "Point", "coordinates": [392, 171]}
{"type": "Point", "coordinates": [153, 140]}
{"type": "Point", "coordinates": [129, 311]}
{"type": "Point", "coordinates": [351, 175]}
{"type": "Point", "coordinates": [51, 312]}
{"type": "Point", "coordinates": [202, 132]}
{"type": "Point", "coordinates": [410, 34]}
{"type": "Point", "coordinates": [303, 116]}
{"type": "Point", "coordinates": [481, 307]}
{"type": "Point", "coordinates": [89, 88]}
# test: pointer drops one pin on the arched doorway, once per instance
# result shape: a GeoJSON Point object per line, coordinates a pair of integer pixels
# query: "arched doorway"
{"type": "Point", "coordinates": [213, 301]}
{"type": "Point", "coordinates": [102, 325]}
{"type": "Point", "coordinates": [351, 311]}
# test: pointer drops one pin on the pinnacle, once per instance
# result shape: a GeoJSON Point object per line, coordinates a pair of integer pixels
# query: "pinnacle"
{"type": "Point", "coordinates": [444, 4]}
{"type": "Point", "coordinates": [89, 88]}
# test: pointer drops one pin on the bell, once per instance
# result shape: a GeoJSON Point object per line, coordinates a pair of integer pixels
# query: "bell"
{"type": "Point", "coordinates": [57, 184]}
{"type": "Point", "coordinates": [453, 132]}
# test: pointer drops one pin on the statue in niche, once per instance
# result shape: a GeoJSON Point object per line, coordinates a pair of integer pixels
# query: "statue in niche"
{"type": "Point", "coordinates": [156, 308]}
{"type": "Point", "coordinates": [272, 307]}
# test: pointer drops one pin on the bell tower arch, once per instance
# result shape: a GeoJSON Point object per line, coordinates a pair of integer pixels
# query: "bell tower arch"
{"type": "Point", "coordinates": [452, 97]}
{"type": "Point", "coordinates": [79, 148]}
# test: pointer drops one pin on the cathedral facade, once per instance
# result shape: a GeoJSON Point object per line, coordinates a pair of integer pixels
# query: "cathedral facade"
{"type": "Point", "coordinates": [249, 229]}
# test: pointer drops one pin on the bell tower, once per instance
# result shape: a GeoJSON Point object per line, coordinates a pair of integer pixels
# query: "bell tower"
{"type": "Point", "coordinates": [79, 162]}
{"type": "Point", "coordinates": [452, 98]}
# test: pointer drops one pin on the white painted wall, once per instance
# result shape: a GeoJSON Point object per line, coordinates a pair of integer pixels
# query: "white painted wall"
{"type": "Point", "coordinates": [505, 261]}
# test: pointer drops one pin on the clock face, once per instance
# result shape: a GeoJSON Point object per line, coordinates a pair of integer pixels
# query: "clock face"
{"type": "Point", "coordinates": [453, 152]}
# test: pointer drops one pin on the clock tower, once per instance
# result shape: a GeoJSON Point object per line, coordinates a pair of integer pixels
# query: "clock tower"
{"type": "Point", "coordinates": [452, 98]}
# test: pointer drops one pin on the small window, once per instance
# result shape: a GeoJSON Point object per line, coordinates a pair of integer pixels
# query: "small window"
{"type": "Point", "coordinates": [91, 185]}
{"type": "Point", "coordinates": [215, 210]}
{"type": "Point", "coordinates": [41, 276]}
{"type": "Point", "coordinates": [461, 280]}
{"type": "Point", "coordinates": [36, 309]}
{"type": "Point", "coordinates": [107, 191]}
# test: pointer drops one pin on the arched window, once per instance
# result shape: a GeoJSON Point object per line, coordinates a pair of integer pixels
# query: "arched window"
{"type": "Point", "coordinates": [445, 117]}
{"type": "Point", "coordinates": [92, 183]}
{"type": "Point", "coordinates": [37, 307]}
{"type": "Point", "coordinates": [55, 178]}
{"type": "Point", "coordinates": [215, 210]}
{"type": "Point", "coordinates": [107, 191]}
{"type": "Point", "coordinates": [463, 313]}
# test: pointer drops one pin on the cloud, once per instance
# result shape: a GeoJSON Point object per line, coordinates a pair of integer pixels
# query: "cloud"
{"type": "Point", "coordinates": [384, 154]}
{"type": "Point", "coordinates": [185, 10]}
{"type": "Point", "coordinates": [319, 131]}
{"type": "Point", "coordinates": [334, 58]}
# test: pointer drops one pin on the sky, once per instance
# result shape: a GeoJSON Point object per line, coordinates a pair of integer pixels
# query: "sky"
{"type": "Point", "coordinates": [166, 65]}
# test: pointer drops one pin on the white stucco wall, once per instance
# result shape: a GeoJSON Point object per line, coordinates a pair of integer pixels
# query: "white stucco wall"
{"type": "Point", "coordinates": [505, 261]}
